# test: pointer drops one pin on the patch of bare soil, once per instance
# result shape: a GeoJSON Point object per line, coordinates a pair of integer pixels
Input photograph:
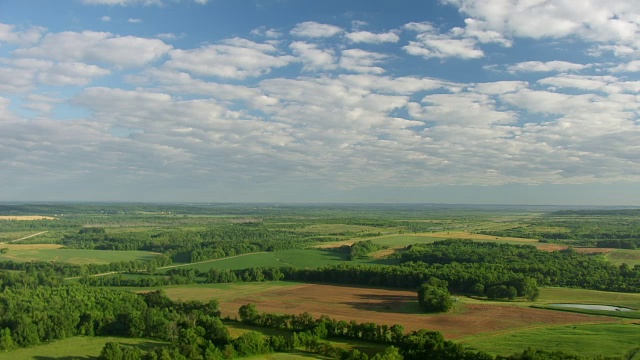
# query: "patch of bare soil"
{"type": "Point", "coordinates": [390, 307]}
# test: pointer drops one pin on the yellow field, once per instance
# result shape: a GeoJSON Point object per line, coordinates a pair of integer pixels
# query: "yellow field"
{"type": "Point", "coordinates": [26, 217]}
{"type": "Point", "coordinates": [30, 246]}
{"type": "Point", "coordinates": [471, 236]}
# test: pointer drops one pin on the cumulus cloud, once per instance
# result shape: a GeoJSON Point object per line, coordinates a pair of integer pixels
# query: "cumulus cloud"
{"type": "Point", "coordinates": [467, 109]}
{"type": "Point", "coordinates": [266, 32]}
{"type": "Point", "coordinates": [101, 47]}
{"type": "Point", "coordinates": [312, 29]}
{"type": "Point", "coordinates": [11, 34]}
{"type": "Point", "coordinates": [548, 66]}
{"type": "Point", "coordinates": [372, 38]}
{"type": "Point", "coordinates": [430, 43]}
{"type": "Point", "coordinates": [632, 66]}
{"type": "Point", "coordinates": [234, 58]}
{"type": "Point", "coordinates": [362, 61]}
{"type": "Point", "coordinates": [594, 20]}
{"type": "Point", "coordinates": [313, 57]}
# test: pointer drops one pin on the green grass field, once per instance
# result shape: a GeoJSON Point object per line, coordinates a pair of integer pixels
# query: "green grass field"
{"type": "Point", "coordinates": [80, 347]}
{"type": "Point", "coordinates": [74, 256]}
{"type": "Point", "coordinates": [335, 229]}
{"type": "Point", "coordinates": [619, 256]}
{"type": "Point", "coordinates": [554, 295]}
{"type": "Point", "coordinates": [306, 258]}
{"type": "Point", "coordinates": [221, 292]}
{"type": "Point", "coordinates": [586, 340]}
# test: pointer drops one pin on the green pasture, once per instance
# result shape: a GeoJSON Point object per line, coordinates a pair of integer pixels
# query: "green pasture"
{"type": "Point", "coordinates": [80, 347]}
{"type": "Point", "coordinates": [337, 229]}
{"type": "Point", "coordinates": [584, 339]}
{"type": "Point", "coordinates": [75, 256]}
{"type": "Point", "coordinates": [620, 256]}
{"type": "Point", "coordinates": [221, 292]}
{"type": "Point", "coordinates": [556, 295]}
{"type": "Point", "coordinates": [303, 258]}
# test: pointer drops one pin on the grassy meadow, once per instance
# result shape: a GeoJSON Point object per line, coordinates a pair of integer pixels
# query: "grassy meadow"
{"type": "Point", "coordinates": [25, 253]}
{"type": "Point", "coordinates": [80, 347]}
{"type": "Point", "coordinates": [620, 256]}
{"type": "Point", "coordinates": [584, 339]}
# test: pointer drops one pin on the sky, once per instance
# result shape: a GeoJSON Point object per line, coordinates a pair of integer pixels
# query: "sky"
{"type": "Point", "coordinates": [295, 101]}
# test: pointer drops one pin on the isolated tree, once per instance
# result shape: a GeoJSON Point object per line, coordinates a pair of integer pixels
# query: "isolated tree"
{"type": "Point", "coordinates": [434, 299]}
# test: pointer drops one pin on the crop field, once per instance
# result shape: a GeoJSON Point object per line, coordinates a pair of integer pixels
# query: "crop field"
{"type": "Point", "coordinates": [80, 347]}
{"type": "Point", "coordinates": [55, 253]}
{"type": "Point", "coordinates": [581, 296]}
{"type": "Point", "coordinates": [383, 306]}
{"type": "Point", "coordinates": [26, 217]}
{"type": "Point", "coordinates": [304, 258]}
{"type": "Point", "coordinates": [584, 339]}
{"type": "Point", "coordinates": [337, 229]}
{"type": "Point", "coordinates": [620, 256]}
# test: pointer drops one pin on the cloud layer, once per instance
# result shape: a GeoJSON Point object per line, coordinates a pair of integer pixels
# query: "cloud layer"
{"type": "Point", "coordinates": [319, 105]}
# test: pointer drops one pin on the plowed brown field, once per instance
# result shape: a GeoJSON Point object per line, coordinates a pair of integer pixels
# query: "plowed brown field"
{"type": "Point", "coordinates": [390, 307]}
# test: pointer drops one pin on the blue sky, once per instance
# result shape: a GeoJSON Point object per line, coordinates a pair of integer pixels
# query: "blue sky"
{"type": "Point", "coordinates": [451, 101]}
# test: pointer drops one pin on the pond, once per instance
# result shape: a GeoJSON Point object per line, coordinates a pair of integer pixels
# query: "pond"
{"type": "Point", "coordinates": [592, 307]}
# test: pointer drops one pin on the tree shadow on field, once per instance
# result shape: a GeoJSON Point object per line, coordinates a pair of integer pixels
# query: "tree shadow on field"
{"type": "Point", "coordinates": [401, 304]}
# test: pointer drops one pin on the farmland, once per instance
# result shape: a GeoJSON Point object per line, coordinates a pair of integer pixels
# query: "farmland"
{"type": "Point", "coordinates": [55, 253]}
{"type": "Point", "coordinates": [81, 347]}
{"type": "Point", "coordinates": [354, 264]}
{"type": "Point", "coordinates": [388, 306]}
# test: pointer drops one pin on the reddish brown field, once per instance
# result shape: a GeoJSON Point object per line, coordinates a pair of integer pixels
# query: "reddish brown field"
{"type": "Point", "coordinates": [400, 307]}
{"type": "Point", "coordinates": [551, 247]}
{"type": "Point", "coordinates": [594, 250]}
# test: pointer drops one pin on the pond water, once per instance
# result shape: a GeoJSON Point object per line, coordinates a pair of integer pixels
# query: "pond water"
{"type": "Point", "coordinates": [593, 307]}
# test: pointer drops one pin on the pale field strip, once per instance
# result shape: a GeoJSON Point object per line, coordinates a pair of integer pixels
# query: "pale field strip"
{"type": "Point", "coordinates": [26, 217]}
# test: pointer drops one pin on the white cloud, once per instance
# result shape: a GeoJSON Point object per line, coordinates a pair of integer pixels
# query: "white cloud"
{"type": "Point", "coordinates": [476, 29]}
{"type": "Point", "coordinates": [549, 66]}
{"type": "Point", "coordinates": [234, 58]}
{"type": "Point", "coordinates": [362, 61]}
{"type": "Point", "coordinates": [632, 66]}
{"type": "Point", "coordinates": [40, 103]}
{"type": "Point", "coordinates": [71, 73]}
{"type": "Point", "coordinates": [9, 34]}
{"type": "Point", "coordinates": [134, 21]}
{"type": "Point", "coordinates": [266, 32]}
{"type": "Point", "coordinates": [371, 38]}
{"type": "Point", "coordinates": [431, 44]}
{"type": "Point", "coordinates": [170, 36]}
{"type": "Point", "coordinates": [105, 18]}
{"type": "Point", "coordinates": [499, 87]}
{"type": "Point", "coordinates": [594, 20]}
{"type": "Point", "coordinates": [313, 57]}
{"type": "Point", "coordinates": [466, 109]}
{"type": "Point", "coordinates": [587, 83]}
{"type": "Point", "coordinates": [101, 47]}
{"type": "Point", "coordinates": [312, 29]}
{"type": "Point", "coordinates": [435, 46]}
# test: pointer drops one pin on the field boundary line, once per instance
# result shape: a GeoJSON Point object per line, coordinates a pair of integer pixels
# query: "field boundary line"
{"type": "Point", "coordinates": [26, 237]}
{"type": "Point", "coordinates": [208, 261]}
